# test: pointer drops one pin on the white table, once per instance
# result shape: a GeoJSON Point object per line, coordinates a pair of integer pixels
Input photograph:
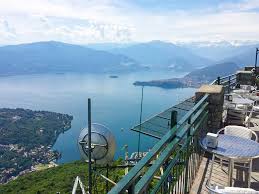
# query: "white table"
{"type": "Point", "coordinates": [241, 91]}
{"type": "Point", "coordinates": [235, 149]}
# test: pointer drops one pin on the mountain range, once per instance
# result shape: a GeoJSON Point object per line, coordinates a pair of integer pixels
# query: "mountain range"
{"type": "Point", "coordinates": [163, 55]}
{"type": "Point", "coordinates": [57, 57]}
{"type": "Point", "coordinates": [194, 78]}
{"type": "Point", "coordinates": [223, 51]}
{"type": "Point", "coordinates": [242, 53]}
{"type": "Point", "coordinates": [244, 57]}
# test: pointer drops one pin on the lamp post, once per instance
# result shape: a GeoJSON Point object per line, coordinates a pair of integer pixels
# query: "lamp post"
{"type": "Point", "coordinates": [256, 53]}
{"type": "Point", "coordinates": [89, 147]}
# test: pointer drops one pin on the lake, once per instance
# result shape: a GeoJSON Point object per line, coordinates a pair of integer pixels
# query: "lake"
{"type": "Point", "coordinates": [115, 103]}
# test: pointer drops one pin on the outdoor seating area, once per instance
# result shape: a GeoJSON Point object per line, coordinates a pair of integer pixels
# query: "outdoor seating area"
{"type": "Point", "coordinates": [233, 165]}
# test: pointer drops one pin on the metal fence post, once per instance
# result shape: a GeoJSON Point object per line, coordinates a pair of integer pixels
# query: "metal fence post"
{"type": "Point", "coordinates": [228, 84]}
{"type": "Point", "coordinates": [131, 189]}
{"type": "Point", "coordinates": [256, 53]}
{"type": "Point", "coordinates": [186, 181]}
{"type": "Point", "coordinates": [218, 80]}
{"type": "Point", "coordinates": [173, 118]}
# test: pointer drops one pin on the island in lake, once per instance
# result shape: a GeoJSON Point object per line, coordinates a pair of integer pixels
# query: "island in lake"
{"type": "Point", "coordinates": [26, 139]}
{"type": "Point", "coordinates": [113, 76]}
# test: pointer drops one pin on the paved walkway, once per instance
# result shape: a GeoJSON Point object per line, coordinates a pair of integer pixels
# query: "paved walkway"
{"type": "Point", "coordinates": [220, 176]}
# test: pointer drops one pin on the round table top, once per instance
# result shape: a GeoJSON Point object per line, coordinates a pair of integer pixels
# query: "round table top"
{"type": "Point", "coordinates": [253, 97]}
{"type": "Point", "coordinates": [234, 147]}
{"type": "Point", "coordinates": [240, 91]}
{"type": "Point", "coordinates": [242, 101]}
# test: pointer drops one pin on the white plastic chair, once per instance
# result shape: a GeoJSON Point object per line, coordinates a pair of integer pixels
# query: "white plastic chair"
{"type": "Point", "coordinates": [248, 87]}
{"type": "Point", "coordinates": [248, 122]}
{"type": "Point", "coordinates": [248, 119]}
{"type": "Point", "coordinates": [239, 131]}
{"type": "Point", "coordinates": [214, 189]}
{"type": "Point", "coordinates": [256, 108]}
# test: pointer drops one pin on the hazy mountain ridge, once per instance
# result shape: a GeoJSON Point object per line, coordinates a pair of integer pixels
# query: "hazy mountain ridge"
{"type": "Point", "coordinates": [212, 52]}
{"type": "Point", "coordinates": [163, 55]}
{"type": "Point", "coordinates": [245, 57]}
{"type": "Point", "coordinates": [221, 51]}
{"type": "Point", "coordinates": [194, 78]}
{"type": "Point", "coordinates": [108, 46]}
{"type": "Point", "coordinates": [210, 73]}
{"type": "Point", "coordinates": [45, 57]}
{"type": "Point", "coordinates": [58, 57]}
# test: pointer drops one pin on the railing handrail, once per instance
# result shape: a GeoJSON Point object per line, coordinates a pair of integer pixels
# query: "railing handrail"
{"type": "Point", "coordinates": [226, 81]}
{"type": "Point", "coordinates": [213, 82]}
{"type": "Point", "coordinates": [134, 173]}
{"type": "Point", "coordinates": [225, 77]}
{"type": "Point", "coordinates": [146, 179]}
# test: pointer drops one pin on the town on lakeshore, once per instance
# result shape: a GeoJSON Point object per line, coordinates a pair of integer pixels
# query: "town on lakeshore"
{"type": "Point", "coordinates": [26, 140]}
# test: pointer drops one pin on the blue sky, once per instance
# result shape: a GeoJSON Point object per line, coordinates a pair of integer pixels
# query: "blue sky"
{"type": "Point", "coordinates": [177, 4]}
{"type": "Point", "coordinates": [98, 21]}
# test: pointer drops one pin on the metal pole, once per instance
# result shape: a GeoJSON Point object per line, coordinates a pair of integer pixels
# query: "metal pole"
{"type": "Point", "coordinates": [229, 85]}
{"type": "Point", "coordinates": [257, 50]}
{"type": "Point", "coordinates": [140, 119]}
{"type": "Point", "coordinates": [107, 175]}
{"type": "Point", "coordinates": [89, 147]}
{"type": "Point", "coordinates": [186, 176]}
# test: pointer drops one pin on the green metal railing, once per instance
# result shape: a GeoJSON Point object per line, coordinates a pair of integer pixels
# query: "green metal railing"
{"type": "Point", "coordinates": [227, 82]}
{"type": "Point", "coordinates": [172, 163]}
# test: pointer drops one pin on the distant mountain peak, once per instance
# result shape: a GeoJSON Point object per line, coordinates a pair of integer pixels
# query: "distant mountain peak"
{"type": "Point", "coordinates": [43, 43]}
{"type": "Point", "coordinates": [160, 54]}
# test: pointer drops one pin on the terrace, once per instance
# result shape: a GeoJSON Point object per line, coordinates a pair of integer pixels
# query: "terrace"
{"type": "Point", "coordinates": [177, 163]}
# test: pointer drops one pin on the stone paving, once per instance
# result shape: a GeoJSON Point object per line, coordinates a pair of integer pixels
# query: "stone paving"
{"type": "Point", "coordinates": [220, 176]}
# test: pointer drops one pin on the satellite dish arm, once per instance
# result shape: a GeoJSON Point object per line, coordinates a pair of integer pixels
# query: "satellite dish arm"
{"type": "Point", "coordinates": [104, 177]}
{"type": "Point", "coordinates": [75, 186]}
{"type": "Point", "coordinates": [78, 180]}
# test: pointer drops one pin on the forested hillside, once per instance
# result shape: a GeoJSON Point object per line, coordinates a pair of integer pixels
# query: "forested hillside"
{"type": "Point", "coordinates": [57, 179]}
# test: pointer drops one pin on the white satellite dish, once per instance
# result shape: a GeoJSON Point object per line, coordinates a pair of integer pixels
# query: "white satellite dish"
{"type": "Point", "coordinates": [102, 144]}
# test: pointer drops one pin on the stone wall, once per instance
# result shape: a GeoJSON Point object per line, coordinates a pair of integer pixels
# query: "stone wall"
{"type": "Point", "coordinates": [215, 108]}
{"type": "Point", "coordinates": [245, 78]}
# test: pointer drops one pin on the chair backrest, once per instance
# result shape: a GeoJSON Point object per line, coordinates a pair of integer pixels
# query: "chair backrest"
{"type": "Point", "coordinates": [248, 118]}
{"type": "Point", "coordinates": [246, 87]}
{"type": "Point", "coordinates": [238, 131]}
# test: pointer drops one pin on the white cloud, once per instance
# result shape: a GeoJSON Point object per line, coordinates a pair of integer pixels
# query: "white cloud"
{"type": "Point", "coordinates": [84, 21]}
{"type": "Point", "coordinates": [7, 33]}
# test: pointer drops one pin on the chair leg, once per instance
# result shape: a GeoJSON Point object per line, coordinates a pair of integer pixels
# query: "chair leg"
{"type": "Point", "coordinates": [249, 173]}
{"type": "Point", "coordinates": [230, 172]}
{"type": "Point", "coordinates": [221, 164]}
{"type": "Point", "coordinates": [212, 162]}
